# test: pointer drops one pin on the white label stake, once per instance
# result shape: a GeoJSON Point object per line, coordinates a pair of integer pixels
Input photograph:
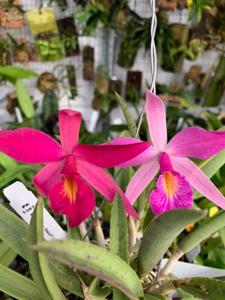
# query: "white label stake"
{"type": "Point", "coordinates": [23, 202]}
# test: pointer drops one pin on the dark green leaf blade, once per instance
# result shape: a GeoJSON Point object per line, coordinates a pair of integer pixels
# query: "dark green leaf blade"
{"type": "Point", "coordinates": [96, 261]}
{"type": "Point", "coordinates": [119, 237]}
{"type": "Point", "coordinates": [14, 231]}
{"type": "Point", "coordinates": [160, 234]}
{"type": "Point", "coordinates": [18, 286]}
{"type": "Point", "coordinates": [33, 257]}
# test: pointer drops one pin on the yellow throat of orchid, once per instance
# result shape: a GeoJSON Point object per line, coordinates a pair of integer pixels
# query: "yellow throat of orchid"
{"type": "Point", "coordinates": [169, 183]}
{"type": "Point", "coordinates": [70, 188]}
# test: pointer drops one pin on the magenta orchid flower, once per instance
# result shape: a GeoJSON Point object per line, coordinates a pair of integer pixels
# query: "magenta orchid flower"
{"type": "Point", "coordinates": [71, 169]}
{"type": "Point", "coordinates": [179, 174]}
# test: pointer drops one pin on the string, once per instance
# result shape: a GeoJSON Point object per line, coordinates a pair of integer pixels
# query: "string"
{"type": "Point", "coordinates": [153, 59]}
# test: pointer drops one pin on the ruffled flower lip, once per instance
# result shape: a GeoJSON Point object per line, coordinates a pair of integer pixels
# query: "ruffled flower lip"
{"type": "Point", "coordinates": [172, 191]}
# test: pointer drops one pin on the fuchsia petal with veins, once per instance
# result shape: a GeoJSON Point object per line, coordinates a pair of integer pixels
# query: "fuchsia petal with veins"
{"type": "Point", "coordinates": [102, 182]}
{"type": "Point", "coordinates": [198, 180]}
{"type": "Point", "coordinates": [196, 142]}
{"type": "Point", "coordinates": [145, 156]}
{"type": "Point", "coordinates": [52, 171]}
{"type": "Point", "coordinates": [29, 145]}
{"type": "Point", "coordinates": [156, 117]}
{"type": "Point", "coordinates": [69, 123]}
{"type": "Point", "coordinates": [108, 156]}
{"type": "Point", "coordinates": [141, 179]}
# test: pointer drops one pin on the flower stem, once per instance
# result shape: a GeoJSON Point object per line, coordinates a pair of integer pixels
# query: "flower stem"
{"type": "Point", "coordinates": [99, 235]}
{"type": "Point", "coordinates": [171, 263]}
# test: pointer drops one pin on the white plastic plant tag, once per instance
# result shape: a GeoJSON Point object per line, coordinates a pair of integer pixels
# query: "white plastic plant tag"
{"type": "Point", "coordinates": [187, 270]}
{"type": "Point", "coordinates": [23, 202]}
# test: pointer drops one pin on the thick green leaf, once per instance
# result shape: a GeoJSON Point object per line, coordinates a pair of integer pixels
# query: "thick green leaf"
{"type": "Point", "coordinates": [13, 231]}
{"type": "Point", "coordinates": [154, 297]}
{"type": "Point", "coordinates": [66, 278]}
{"type": "Point", "coordinates": [7, 255]}
{"type": "Point", "coordinates": [119, 230]}
{"type": "Point", "coordinates": [43, 264]}
{"type": "Point", "coordinates": [186, 296]}
{"type": "Point", "coordinates": [95, 261]}
{"type": "Point", "coordinates": [24, 99]}
{"type": "Point", "coordinates": [35, 236]}
{"type": "Point", "coordinates": [7, 162]}
{"type": "Point", "coordinates": [18, 286]}
{"type": "Point", "coordinates": [212, 165]}
{"type": "Point", "coordinates": [96, 292]}
{"type": "Point", "coordinates": [15, 73]}
{"type": "Point", "coordinates": [202, 232]}
{"type": "Point", "coordinates": [119, 237]}
{"type": "Point", "coordinates": [222, 235]}
{"type": "Point", "coordinates": [13, 174]}
{"type": "Point", "coordinates": [130, 121]}
{"type": "Point", "coordinates": [160, 234]}
{"type": "Point", "coordinates": [203, 288]}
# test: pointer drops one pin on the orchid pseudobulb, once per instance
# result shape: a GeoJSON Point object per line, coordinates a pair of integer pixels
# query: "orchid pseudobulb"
{"type": "Point", "coordinates": [71, 169]}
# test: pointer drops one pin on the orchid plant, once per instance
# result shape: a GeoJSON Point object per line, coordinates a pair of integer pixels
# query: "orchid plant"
{"type": "Point", "coordinates": [126, 262]}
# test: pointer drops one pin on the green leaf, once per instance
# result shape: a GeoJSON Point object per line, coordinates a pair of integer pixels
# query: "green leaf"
{"type": "Point", "coordinates": [154, 297]}
{"type": "Point", "coordinates": [97, 262]}
{"type": "Point", "coordinates": [18, 286]}
{"type": "Point", "coordinates": [7, 255]}
{"type": "Point", "coordinates": [202, 232]}
{"type": "Point", "coordinates": [203, 288]}
{"type": "Point", "coordinates": [14, 231]}
{"type": "Point", "coordinates": [96, 292]}
{"type": "Point", "coordinates": [7, 162]}
{"type": "Point", "coordinates": [66, 278]}
{"type": "Point", "coordinates": [159, 235]}
{"type": "Point", "coordinates": [119, 237]}
{"type": "Point", "coordinates": [130, 121]}
{"type": "Point", "coordinates": [15, 73]}
{"type": "Point", "coordinates": [42, 267]}
{"type": "Point", "coordinates": [119, 230]}
{"type": "Point", "coordinates": [35, 236]}
{"type": "Point", "coordinates": [13, 174]}
{"type": "Point", "coordinates": [222, 235]}
{"type": "Point", "coordinates": [212, 165]}
{"type": "Point", "coordinates": [24, 99]}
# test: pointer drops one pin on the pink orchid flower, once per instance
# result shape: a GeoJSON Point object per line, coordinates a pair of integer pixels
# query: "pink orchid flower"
{"type": "Point", "coordinates": [179, 174]}
{"type": "Point", "coordinates": [71, 168]}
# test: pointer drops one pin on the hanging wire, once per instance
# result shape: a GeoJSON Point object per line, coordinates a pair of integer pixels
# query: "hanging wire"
{"type": "Point", "coordinates": [153, 58]}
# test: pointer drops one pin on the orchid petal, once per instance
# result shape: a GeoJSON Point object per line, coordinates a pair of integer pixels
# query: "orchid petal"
{"type": "Point", "coordinates": [30, 146]}
{"type": "Point", "coordinates": [69, 124]}
{"type": "Point", "coordinates": [102, 182]}
{"type": "Point", "coordinates": [47, 177]}
{"type": "Point", "coordinates": [196, 142]}
{"type": "Point", "coordinates": [198, 180]}
{"type": "Point", "coordinates": [173, 191]}
{"type": "Point", "coordinates": [141, 180]}
{"type": "Point", "coordinates": [146, 155]}
{"type": "Point", "coordinates": [77, 209]}
{"type": "Point", "coordinates": [107, 156]}
{"type": "Point", "coordinates": [156, 117]}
